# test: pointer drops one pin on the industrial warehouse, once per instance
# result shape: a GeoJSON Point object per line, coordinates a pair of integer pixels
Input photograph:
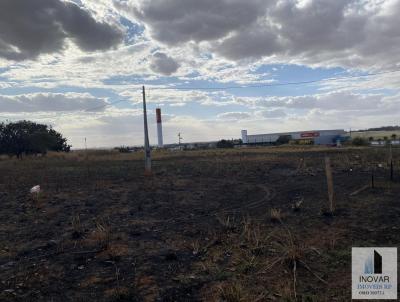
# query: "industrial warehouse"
{"type": "Point", "coordinates": [314, 137]}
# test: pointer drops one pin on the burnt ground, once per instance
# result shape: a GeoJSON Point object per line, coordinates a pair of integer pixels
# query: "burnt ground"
{"type": "Point", "coordinates": [206, 226]}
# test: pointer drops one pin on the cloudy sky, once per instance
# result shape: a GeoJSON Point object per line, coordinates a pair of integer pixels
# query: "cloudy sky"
{"type": "Point", "coordinates": [62, 62]}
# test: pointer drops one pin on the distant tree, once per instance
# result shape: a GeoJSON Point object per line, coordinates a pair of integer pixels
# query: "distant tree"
{"type": "Point", "coordinates": [371, 138]}
{"type": "Point", "coordinates": [359, 141]}
{"type": "Point", "coordinates": [25, 137]}
{"type": "Point", "coordinates": [394, 136]}
{"type": "Point", "coordinates": [386, 128]}
{"type": "Point", "coordinates": [123, 149]}
{"type": "Point", "coordinates": [2, 145]}
{"type": "Point", "coordinates": [284, 139]}
{"type": "Point", "coordinates": [225, 144]}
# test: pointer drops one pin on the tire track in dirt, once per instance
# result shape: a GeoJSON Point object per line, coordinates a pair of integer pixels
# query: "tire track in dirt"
{"type": "Point", "coordinates": [270, 193]}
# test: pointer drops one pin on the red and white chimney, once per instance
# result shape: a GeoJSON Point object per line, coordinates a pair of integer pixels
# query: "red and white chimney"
{"type": "Point", "coordinates": [159, 128]}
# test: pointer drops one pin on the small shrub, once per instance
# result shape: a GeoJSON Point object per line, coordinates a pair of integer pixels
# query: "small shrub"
{"type": "Point", "coordinates": [101, 236]}
{"type": "Point", "coordinates": [284, 139]}
{"type": "Point", "coordinates": [231, 293]}
{"type": "Point", "coordinates": [123, 149]}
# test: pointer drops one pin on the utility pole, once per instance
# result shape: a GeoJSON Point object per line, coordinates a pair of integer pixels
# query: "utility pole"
{"type": "Point", "coordinates": [147, 151]}
{"type": "Point", "coordinates": [391, 161]}
{"type": "Point", "coordinates": [86, 153]}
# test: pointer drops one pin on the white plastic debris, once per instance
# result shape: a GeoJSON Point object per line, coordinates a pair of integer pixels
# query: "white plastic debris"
{"type": "Point", "coordinates": [35, 190]}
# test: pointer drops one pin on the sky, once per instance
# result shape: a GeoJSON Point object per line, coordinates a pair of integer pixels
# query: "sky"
{"type": "Point", "coordinates": [79, 66]}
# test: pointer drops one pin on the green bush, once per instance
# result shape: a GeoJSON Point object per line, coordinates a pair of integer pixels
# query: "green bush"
{"type": "Point", "coordinates": [25, 137]}
{"type": "Point", "coordinates": [359, 141]}
{"type": "Point", "coordinates": [225, 144]}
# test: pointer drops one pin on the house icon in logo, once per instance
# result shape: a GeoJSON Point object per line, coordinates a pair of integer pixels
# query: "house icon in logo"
{"type": "Point", "coordinates": [373, 264]}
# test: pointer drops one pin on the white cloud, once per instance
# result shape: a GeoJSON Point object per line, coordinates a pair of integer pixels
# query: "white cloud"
{"type": "Point", "coordinates": [114, 126]}
{"type": "Point", "coordinates": [234, 115]}
{"type": "Point", "coordinates": [208, 41]}
{"type": "Point", "coordinates": [339, 101]}
{"type": "Point", "coordinates": [273, 113]}
{"type": "Point", "coordinates": [51, 102]}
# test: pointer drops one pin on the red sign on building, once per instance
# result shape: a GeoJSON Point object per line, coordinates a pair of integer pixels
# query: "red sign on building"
{"type": "Point", "coordinates": [309, 134]}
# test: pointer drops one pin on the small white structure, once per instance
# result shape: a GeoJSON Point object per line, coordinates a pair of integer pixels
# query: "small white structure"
{"type": "Point", "coordinates": [35, 190]}
{"type": "Point", "coordinates": [244, 136]}
{"type": "Point", "coordinates": [377, 143]}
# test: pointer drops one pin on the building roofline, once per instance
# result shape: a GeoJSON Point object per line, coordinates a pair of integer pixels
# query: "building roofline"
{"type": "Point", "coordinates": [296, 132]}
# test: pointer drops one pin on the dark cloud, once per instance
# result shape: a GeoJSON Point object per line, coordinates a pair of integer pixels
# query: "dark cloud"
{"type": "Point", "coordinates": [176, 21]}
{"type": "Point", "coordinates": [349, 33]}
{"type": "Point", "coordinates": [255, 43]}
{"type": "Point", "coordinates": [50, 102]}
{"type": "Point", "coordinates": [163, 64]}
{"type": "Point", "coordinates": [29, 28]}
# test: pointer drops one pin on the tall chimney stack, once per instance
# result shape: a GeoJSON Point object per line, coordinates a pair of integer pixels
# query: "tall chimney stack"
{"type": "Point", "coordinates": [159, 128]}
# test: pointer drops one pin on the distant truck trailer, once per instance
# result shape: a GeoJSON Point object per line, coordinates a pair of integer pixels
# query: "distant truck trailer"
{"type": "Point", "coordinates": [314, 137]}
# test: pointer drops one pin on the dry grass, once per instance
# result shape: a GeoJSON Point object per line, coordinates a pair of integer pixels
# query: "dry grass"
{"type": "Point", "coordinates": [77, 230]}
{"type": "Point", "coordinates": [231, 292]}
{"type": "Point", "coordinates": [249, 259]}
{"type": "Point", "coordinates": [116, 251]}
{"type": "Point", "coordinates": [121, 294]}
{"type": "Point", "coordinates": [252, 235]}
{"type": "Point", "coordinates": [101, 235]}
{"type": "Point", "coordinates": [276, 215]}
{"type": "Point", "coordinates": [228, 222]}
{"type": "Point", "coordinates": [297, 204]}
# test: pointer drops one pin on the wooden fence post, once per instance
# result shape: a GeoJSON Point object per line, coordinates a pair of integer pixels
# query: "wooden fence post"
{"type": "Point", "coordinates": [329, 179]}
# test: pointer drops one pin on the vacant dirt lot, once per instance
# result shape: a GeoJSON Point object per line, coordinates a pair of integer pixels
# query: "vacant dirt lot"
{"type": "Point", "coordinates": [236, 225]}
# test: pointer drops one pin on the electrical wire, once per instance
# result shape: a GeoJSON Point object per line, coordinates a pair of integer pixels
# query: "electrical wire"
{"type": "Point", "coordinates": [277, 84]}
{"type": "Point", "coordinates": [104, 106]}
{"type": "Point", "coordinates": [239, 87]}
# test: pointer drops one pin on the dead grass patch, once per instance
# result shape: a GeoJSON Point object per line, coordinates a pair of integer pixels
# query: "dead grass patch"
{"type": "Point", "coordinates": [276, 215]}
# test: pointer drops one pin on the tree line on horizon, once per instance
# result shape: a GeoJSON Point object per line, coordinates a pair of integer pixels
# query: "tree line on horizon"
{"type": "Point", "coordinates": [30, 138]}
{"type": "Point", "coordinates": [384, 128]}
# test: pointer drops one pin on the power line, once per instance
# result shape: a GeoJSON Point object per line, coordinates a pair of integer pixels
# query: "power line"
{"type": "Point", "coordinates": [104, 106]}
{"type": "Point", "coordinates": [277, 84]}
{"type": "Point", "coordinates": [234, 87]}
